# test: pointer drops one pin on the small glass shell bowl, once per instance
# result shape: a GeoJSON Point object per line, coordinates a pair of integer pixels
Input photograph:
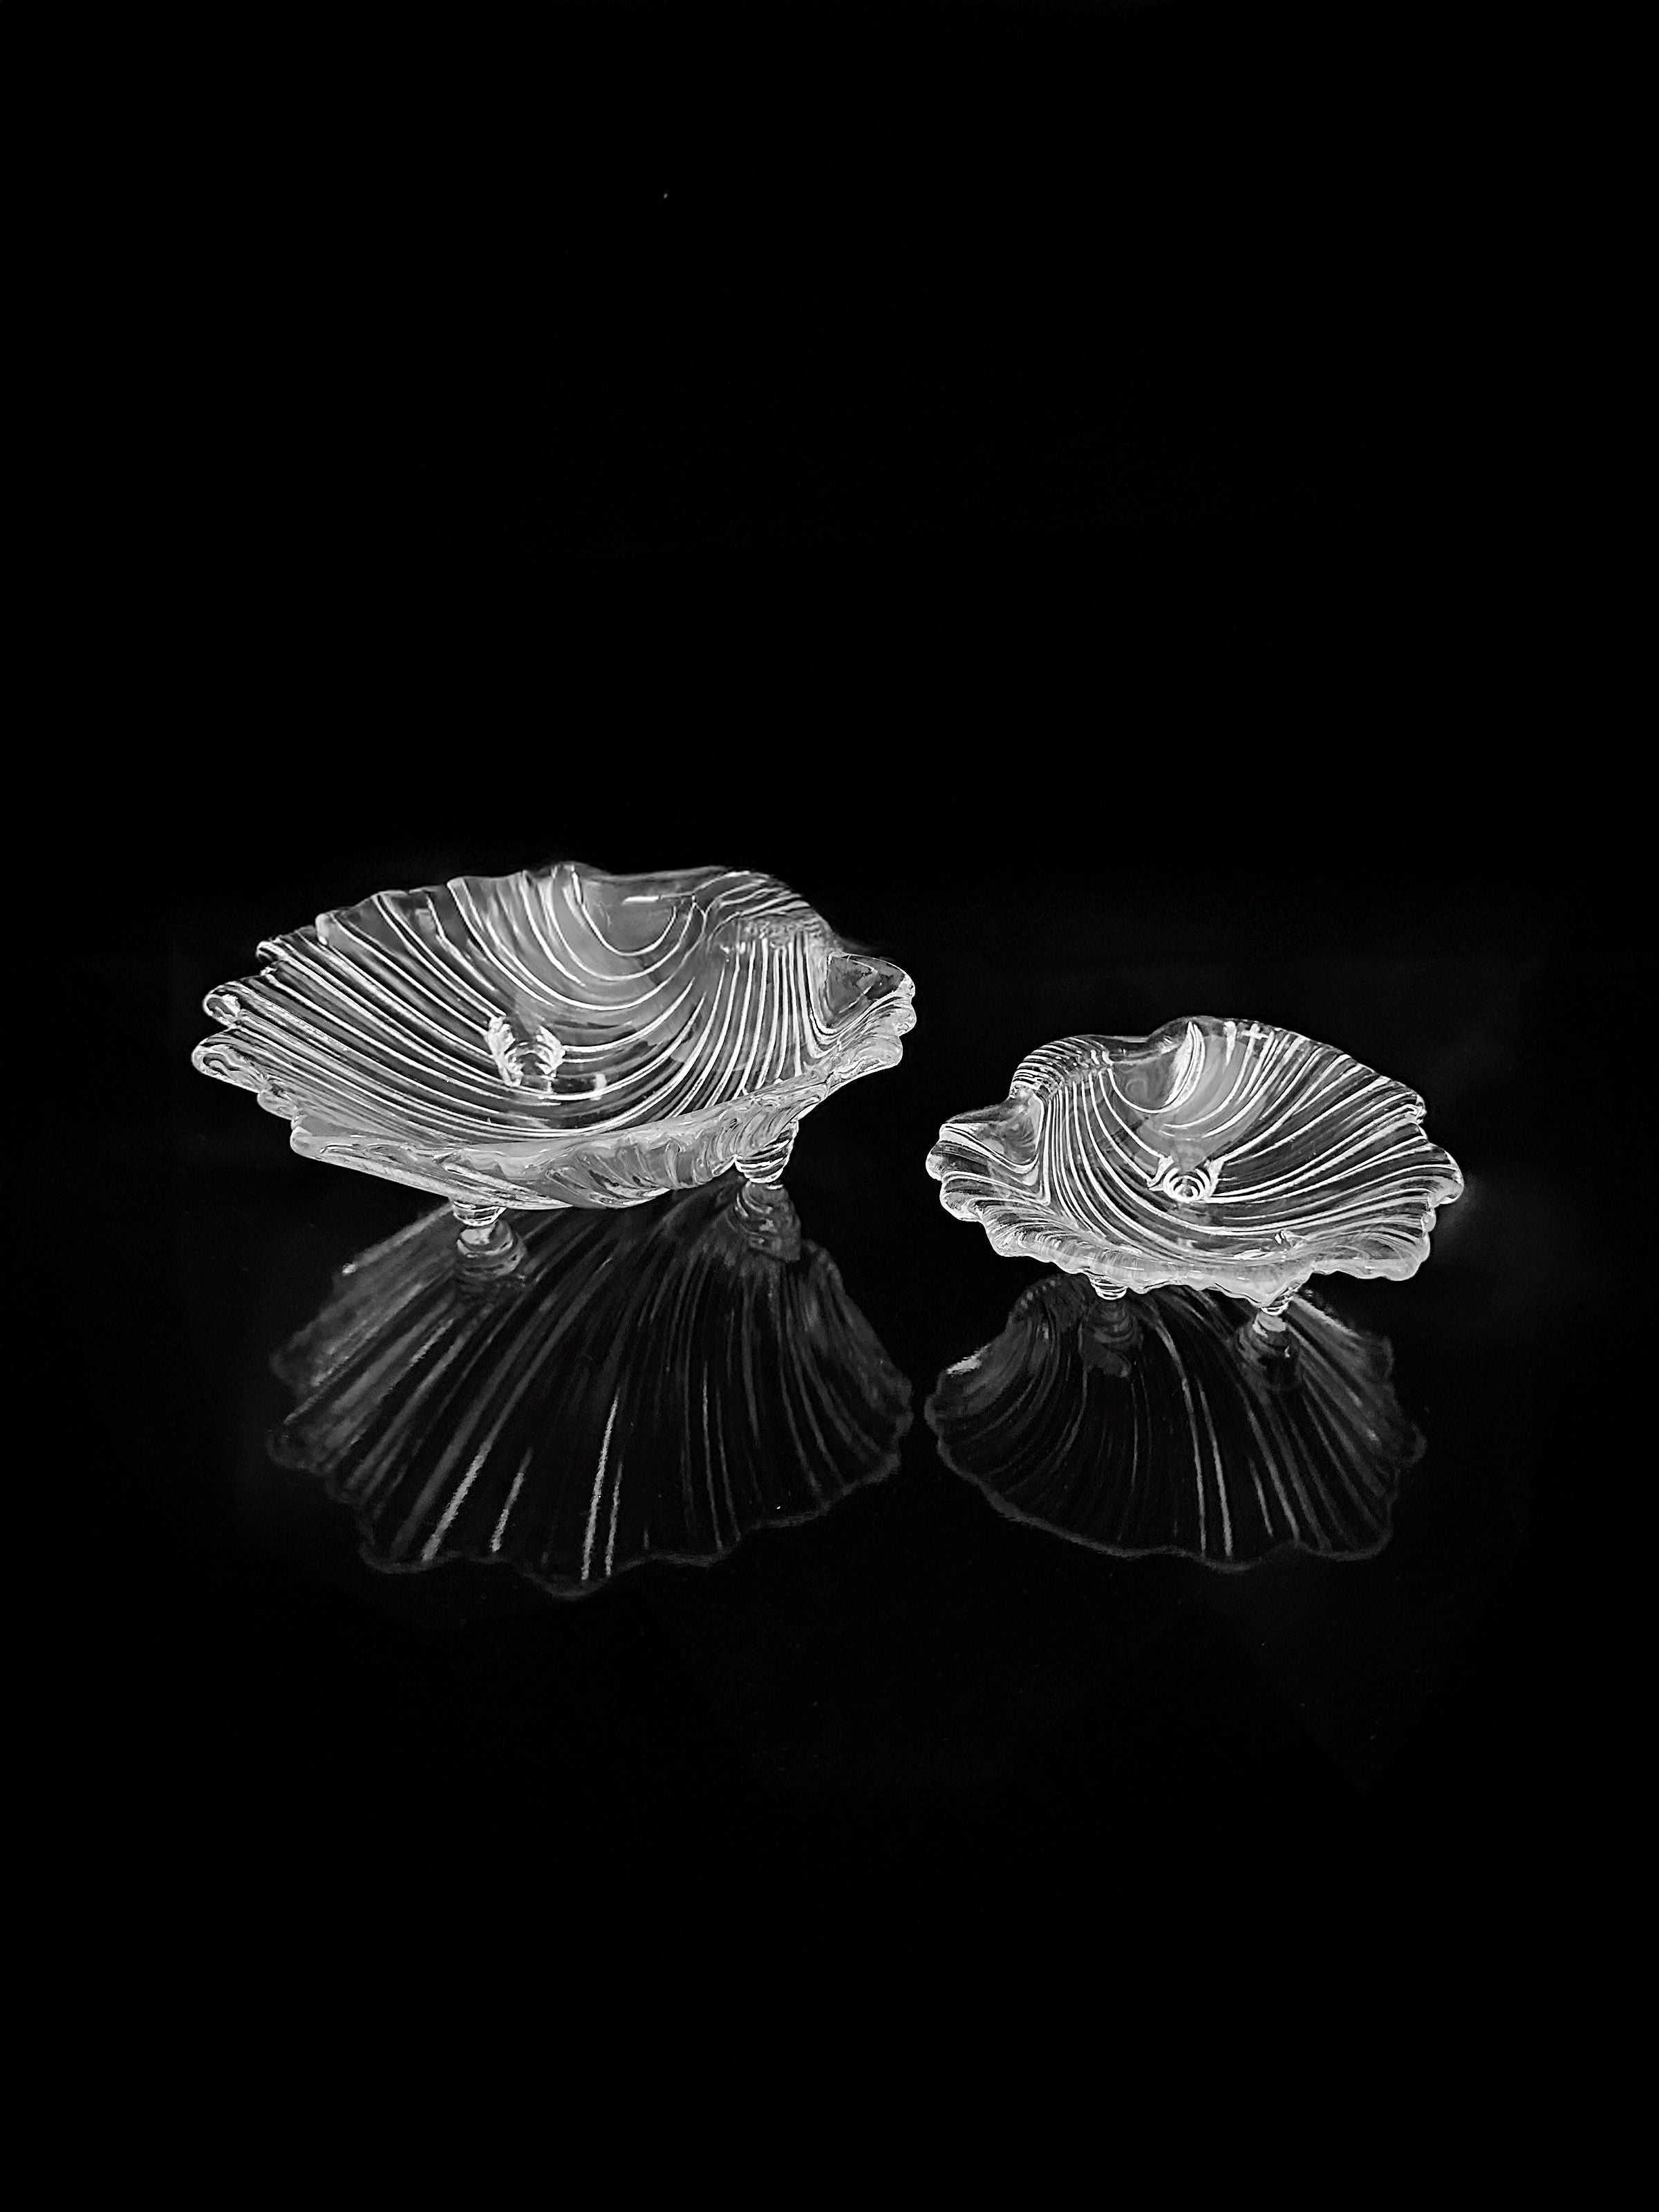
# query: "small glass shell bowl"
{"type": "Point", "coordinates": [561, 1036]}
{"type": "Point", "coordinates": [1224, 1155]}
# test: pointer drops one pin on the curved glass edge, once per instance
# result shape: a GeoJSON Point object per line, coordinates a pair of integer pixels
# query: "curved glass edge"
{"type": "Point", "coordinates": [867, 1003]}
{"type": "Point", "coordinates": [1051, 1176]}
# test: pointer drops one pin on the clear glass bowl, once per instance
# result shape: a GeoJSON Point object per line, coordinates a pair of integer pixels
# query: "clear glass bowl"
{"type": "Point", "coordinates": [1224, 1155]}
{"type": "Point", "coordinates": [560, 1037]}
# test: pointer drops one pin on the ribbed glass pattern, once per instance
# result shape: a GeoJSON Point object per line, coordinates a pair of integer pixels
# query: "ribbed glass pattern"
{"type": "Point", "coordinates": [560, 1036]}
{"type": "Point", "coordinates": [1225, 1154]}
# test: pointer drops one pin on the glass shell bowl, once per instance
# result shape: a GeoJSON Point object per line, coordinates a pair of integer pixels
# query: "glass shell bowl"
{"type": "Point", "coordinates": [561, 1036]}
{"type": "Point", "coordinates": [1224, 1155]}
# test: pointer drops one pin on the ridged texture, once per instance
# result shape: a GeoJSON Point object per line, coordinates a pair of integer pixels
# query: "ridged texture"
{"type": "Point", "coordinates": [1221, 1154]}
{"type": "Point", "coordinates": [1151, 1425]}
{"type": "Point", "coordinates": [559, 1037]}
{"type": "Point", "coordinates": [647, 1385]}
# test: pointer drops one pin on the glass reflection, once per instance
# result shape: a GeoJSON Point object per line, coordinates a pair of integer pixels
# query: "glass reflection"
{"type": "Point", "coordinates": [647, 1384]}
{"type": "Point", "coordinates": [1159, 1423]}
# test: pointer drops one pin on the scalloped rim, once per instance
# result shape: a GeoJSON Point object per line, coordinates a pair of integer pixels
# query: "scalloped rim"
{"type": "Point", "coordinates": [1073, 1254]}
{"type": "Point", "coordinates": [694, 1147]}
{"type": "Point", "coordinates": [1062, 1244]}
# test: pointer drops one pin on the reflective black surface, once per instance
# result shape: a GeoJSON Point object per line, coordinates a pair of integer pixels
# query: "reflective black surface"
{"type": "Point", "coordinates": [613, 1388]}
{"type": "Point", "coordinates": [911, 1700]}
{"type": "Point", "coordinates": [1175, 1421]}
{"type": "Point", "coordinates": [1059, 542]}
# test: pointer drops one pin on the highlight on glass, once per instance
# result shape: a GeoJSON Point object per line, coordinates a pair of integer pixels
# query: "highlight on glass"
{"type": "Point", "coordinates": [557, 1037]}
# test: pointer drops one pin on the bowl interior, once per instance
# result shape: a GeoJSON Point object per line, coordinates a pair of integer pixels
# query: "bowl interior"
{"type": "Point", "coordinates": [559, 998]}
{"type": "Point", "coordinates": [1214, 1144]}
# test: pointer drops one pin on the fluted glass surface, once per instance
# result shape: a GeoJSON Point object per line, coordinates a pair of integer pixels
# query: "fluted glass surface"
{"type": "Point", "coordinates": [560, 1037]}
{"type": "Point", "coordinates": [1226, 1155]}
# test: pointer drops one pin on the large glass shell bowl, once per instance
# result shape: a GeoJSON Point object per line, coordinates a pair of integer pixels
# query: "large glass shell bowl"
{"type": "Point", "coordinates": [561, 1036]}
{"type": "Point", "coordinates": [1224, 1155]}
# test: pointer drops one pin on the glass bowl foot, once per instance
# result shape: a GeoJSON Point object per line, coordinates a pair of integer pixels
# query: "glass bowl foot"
{"type": "Point", "coordinates": [1266, 1342]}
{"type": "Point", "coordinates": [487, 1244]}
{"type": "Point", "coordinates": [768, 1164]}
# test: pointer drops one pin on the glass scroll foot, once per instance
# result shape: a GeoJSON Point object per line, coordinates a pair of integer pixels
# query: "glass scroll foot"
{"type": "Point", "coordinates": [768, 1164]}
{"type": "Point", "coordinates": [487, 1245]}
{"type": "Point", "coordinates": [1267, 1341]}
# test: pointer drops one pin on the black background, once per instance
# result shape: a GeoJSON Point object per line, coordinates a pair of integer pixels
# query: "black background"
{"type": "Point", "coordinates": [1055, 485]}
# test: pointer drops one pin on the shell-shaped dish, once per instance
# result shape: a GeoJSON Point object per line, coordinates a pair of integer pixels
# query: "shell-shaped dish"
{"type": "Point", "coordinates": [561, 1036]}
{"type": "Point", "coordinates": [1224, 1155]}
